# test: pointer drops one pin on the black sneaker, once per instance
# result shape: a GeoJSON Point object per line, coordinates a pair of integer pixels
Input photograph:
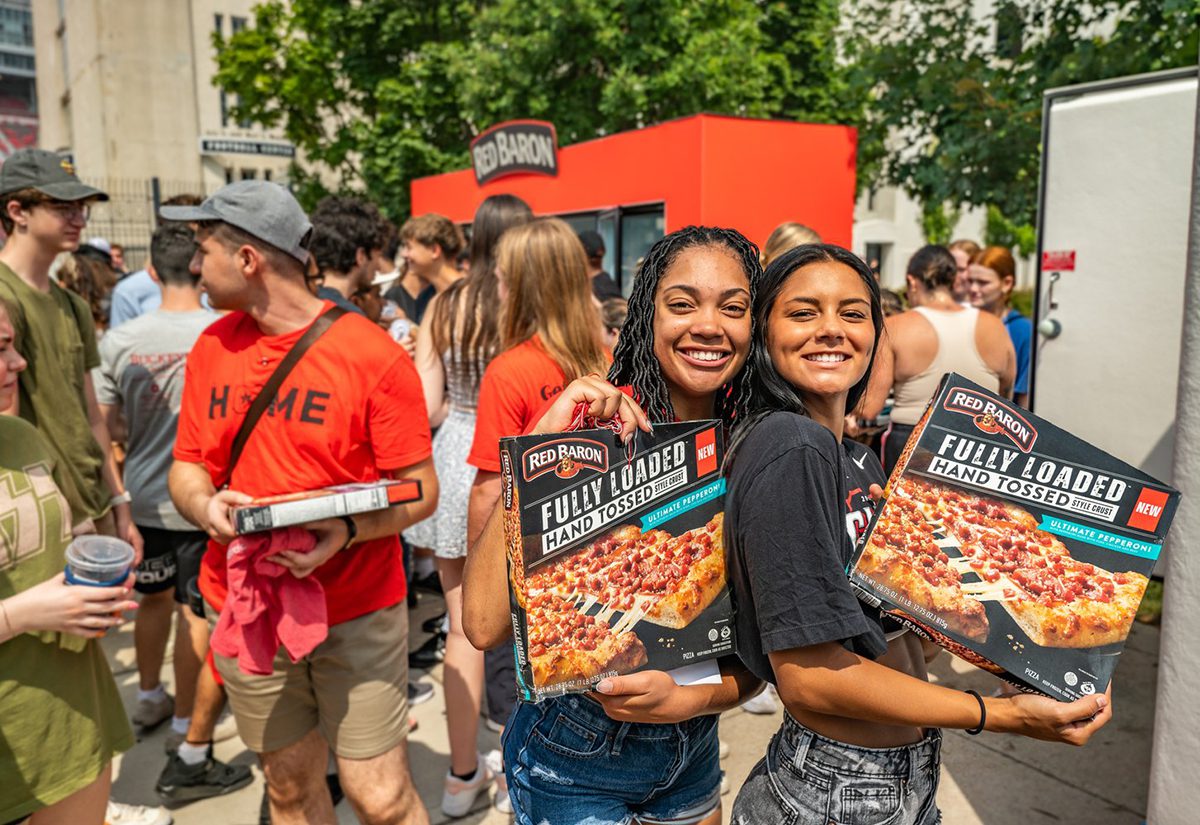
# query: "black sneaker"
{"type": "Point", "coordinates": [181, 782]}
{"type": "Point", "coordinates": [419, 692]}
{"type": "Point", "coordinates": [434, 623]}
{"type": "Point", "coordinates": [428, 654]}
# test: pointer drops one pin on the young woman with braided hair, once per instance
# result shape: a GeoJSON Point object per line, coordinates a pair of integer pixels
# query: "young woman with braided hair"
{"type": "Point", "coordinates": [643, 748]}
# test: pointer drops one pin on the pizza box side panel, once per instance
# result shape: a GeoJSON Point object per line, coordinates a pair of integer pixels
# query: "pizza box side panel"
{"type": "Point", "coordinates": [253, 518]}
{"type": "Point", "coordinates": [515, 565]}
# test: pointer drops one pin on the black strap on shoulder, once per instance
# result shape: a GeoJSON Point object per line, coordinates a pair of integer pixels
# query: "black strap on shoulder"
{"type": "Point", "coordinates": [267, 394]}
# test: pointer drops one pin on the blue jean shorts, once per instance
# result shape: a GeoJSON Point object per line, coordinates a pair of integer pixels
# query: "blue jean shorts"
{"type": "Point", "coordinates": [568, 763]}
{"type": "Point", "coordinates": [806, 778]}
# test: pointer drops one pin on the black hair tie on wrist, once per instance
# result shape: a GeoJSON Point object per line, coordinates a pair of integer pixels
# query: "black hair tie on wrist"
{"type": "Point", "coordinates": [351, 531]}
{"type": "Point", "coordinates": [975, 731]}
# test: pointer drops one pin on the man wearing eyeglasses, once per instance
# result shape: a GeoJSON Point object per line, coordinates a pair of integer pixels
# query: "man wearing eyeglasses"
{"type": "Point", "coordinates": [44, 209]}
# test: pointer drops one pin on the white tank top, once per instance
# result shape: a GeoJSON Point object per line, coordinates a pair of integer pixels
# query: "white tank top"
{"type": "Point", "coordinates": [956, 352]}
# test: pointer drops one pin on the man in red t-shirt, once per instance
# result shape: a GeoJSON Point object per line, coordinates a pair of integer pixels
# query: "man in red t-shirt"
{"type": "Point", "coordinates": [351, 410]}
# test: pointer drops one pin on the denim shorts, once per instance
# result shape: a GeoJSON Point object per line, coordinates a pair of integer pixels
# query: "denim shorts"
{"type": "Point", "coordinates": [806, 778]}
{"type": "Point", "coordinates": [568, 763]}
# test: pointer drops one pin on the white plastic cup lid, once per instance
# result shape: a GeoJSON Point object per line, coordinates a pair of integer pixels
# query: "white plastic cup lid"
{"type": "Point", "coordinates": [99, 558]}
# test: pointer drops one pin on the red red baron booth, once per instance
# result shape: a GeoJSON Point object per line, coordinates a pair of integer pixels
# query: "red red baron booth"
{"type": "Point", "coordinates": [634, 187]}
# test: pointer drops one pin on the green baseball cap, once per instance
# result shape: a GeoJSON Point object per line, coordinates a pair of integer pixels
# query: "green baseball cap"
{"type": "Point", "coordinates": [48, 172]}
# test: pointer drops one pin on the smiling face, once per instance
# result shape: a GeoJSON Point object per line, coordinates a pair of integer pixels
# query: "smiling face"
{"type": "Point", "coordinates": [423, 260]}
{"type": "Point", "coordinates": [11, 362]}
{"type": "Point", "coordinates": [820, 335]}
{"type": "Point", "coordinates": [701, 323]}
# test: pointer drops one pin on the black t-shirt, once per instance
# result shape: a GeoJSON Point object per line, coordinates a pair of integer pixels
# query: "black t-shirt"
{"type": "Point", "coordinates": [414, 308]}
{"type": "Point", "coordinates": [604, 287]}
{"type": "Point", "coordinates": [794, 500]}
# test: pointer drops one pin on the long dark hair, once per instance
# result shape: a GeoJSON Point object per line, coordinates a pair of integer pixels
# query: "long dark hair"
{"type": "Point", "coordinates": [770, 391]}
{"type": "Point", "coordinates": [475, 299]}
{"type": "Point", "coordinates": [634, 362]}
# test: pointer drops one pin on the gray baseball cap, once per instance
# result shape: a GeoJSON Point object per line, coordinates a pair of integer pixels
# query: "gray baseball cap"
{"type": "Point", "coordinates": [264, 209]}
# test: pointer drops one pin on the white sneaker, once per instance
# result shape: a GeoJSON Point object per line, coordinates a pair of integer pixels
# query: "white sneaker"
{"type": "Point", "coordinates": [764, 703]}
{"type": "Point", "coordinates": [495, 762]}
{"type": "Point", "coordinates": [118, 813]}
{"type": "Point", "coordinates": [459, 794]}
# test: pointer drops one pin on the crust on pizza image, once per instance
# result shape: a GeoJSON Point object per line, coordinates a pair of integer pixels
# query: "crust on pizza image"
{"type": "Point", "coordinates": [903, 555]}
{"type": "Point", "coordinates": [1000, 556]}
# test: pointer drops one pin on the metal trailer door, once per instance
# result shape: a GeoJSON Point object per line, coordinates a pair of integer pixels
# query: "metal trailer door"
{"type": "Point", "coordinates": [1115, 190]}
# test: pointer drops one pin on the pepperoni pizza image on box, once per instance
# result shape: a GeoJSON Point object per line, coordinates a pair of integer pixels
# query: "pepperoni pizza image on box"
{"type": "Point", "coordinates": [1014, 544]}
{"type": "Point", "coordinates": [615, 555]}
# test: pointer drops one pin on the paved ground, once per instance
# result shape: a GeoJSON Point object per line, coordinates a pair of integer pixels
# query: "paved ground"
{"type": "Point", "coordinates": [988, 779]}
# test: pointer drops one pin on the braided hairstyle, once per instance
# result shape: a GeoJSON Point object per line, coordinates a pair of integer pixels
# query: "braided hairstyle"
{"type": "Point", "coordinates": [634, 362]}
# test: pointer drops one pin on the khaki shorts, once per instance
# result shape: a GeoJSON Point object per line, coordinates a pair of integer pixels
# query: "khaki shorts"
{"type": "Point", "coordinates": [353, 687]}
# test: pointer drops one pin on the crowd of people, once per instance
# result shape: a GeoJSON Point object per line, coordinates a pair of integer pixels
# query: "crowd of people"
{"type": "Point", "coordinates": [264, 351]}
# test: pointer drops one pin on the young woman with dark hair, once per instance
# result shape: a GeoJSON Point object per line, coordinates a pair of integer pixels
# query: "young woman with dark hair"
{"type": "Point", "coordinates": [460, 337]}
{"type": "Point", "coordinates": [860, 741]}
{"type": "Point", "coordinates": [643, 748]}
{"type": "Point", "coordinates": [937, 336]}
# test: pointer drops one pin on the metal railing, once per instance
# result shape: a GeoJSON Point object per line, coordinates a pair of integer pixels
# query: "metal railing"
{"type": "Point", "coordinates": [128, 217]}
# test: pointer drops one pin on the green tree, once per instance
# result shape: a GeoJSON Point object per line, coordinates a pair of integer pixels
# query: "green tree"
{"type": "Point", "coordinates": [954, 103]}
{"type": "Point", "coordinates": [361, 88]}
{"type": "Point", "coordinates": [382, 91]}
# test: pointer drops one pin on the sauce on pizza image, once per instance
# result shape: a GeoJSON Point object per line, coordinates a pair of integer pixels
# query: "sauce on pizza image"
{"type": "Point", "coordinates": [648, 576]}
{"type": "Point", "coordinates": [951, 551]}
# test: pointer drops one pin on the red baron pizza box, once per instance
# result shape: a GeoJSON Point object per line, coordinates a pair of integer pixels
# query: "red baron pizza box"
{"type": "Point", "coordinates": [328, 502]}
{"type": "Point", "coordinates": [615, 555]}
{"type": "Point", "coordinates": [1013, 544]}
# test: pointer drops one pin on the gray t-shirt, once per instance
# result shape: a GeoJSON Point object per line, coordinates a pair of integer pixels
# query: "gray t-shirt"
{"type": "Point", "coordinates": [141, 369]}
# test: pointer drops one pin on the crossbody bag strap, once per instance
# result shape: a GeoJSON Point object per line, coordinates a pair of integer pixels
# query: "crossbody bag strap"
{"type": "Point", "coordinates": [267, 394]}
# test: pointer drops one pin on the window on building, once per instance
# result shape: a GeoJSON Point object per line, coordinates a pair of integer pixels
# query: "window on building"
{"type": "Point", "coordinates": [266, 174]}
{"type": "Point", "coordinates": [877, 257]}
{"type": "Point", "coordinates": [224, 109]}
{"type": "Point", "coordinates": [249, 174]}
{"type": "Point", "coordinates": [228, 175]}
{"type": "Point", "coordinates": [1010, 27]}
{"type": "Point", "coordinates": [236, 24]}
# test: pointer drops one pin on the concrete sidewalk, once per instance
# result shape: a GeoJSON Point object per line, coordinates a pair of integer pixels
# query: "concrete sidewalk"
{"type": "Point", "coordinates": [990, 779]}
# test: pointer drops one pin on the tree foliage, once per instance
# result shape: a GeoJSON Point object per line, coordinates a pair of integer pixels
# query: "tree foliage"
{"type": "Point", "coordinates": [382, 91]}
{"type": "Point", "coordinates": [954, 103]}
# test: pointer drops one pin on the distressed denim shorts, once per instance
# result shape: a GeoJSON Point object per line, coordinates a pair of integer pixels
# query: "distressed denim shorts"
{"type": "Point", "coordinates": [568, 763]}
{"type": "Point", "coordinates": [806, 778]}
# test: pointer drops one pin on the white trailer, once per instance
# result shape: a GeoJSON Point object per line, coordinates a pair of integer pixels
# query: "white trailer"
{"type": "Point", "coordinates": [1114, 206]}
